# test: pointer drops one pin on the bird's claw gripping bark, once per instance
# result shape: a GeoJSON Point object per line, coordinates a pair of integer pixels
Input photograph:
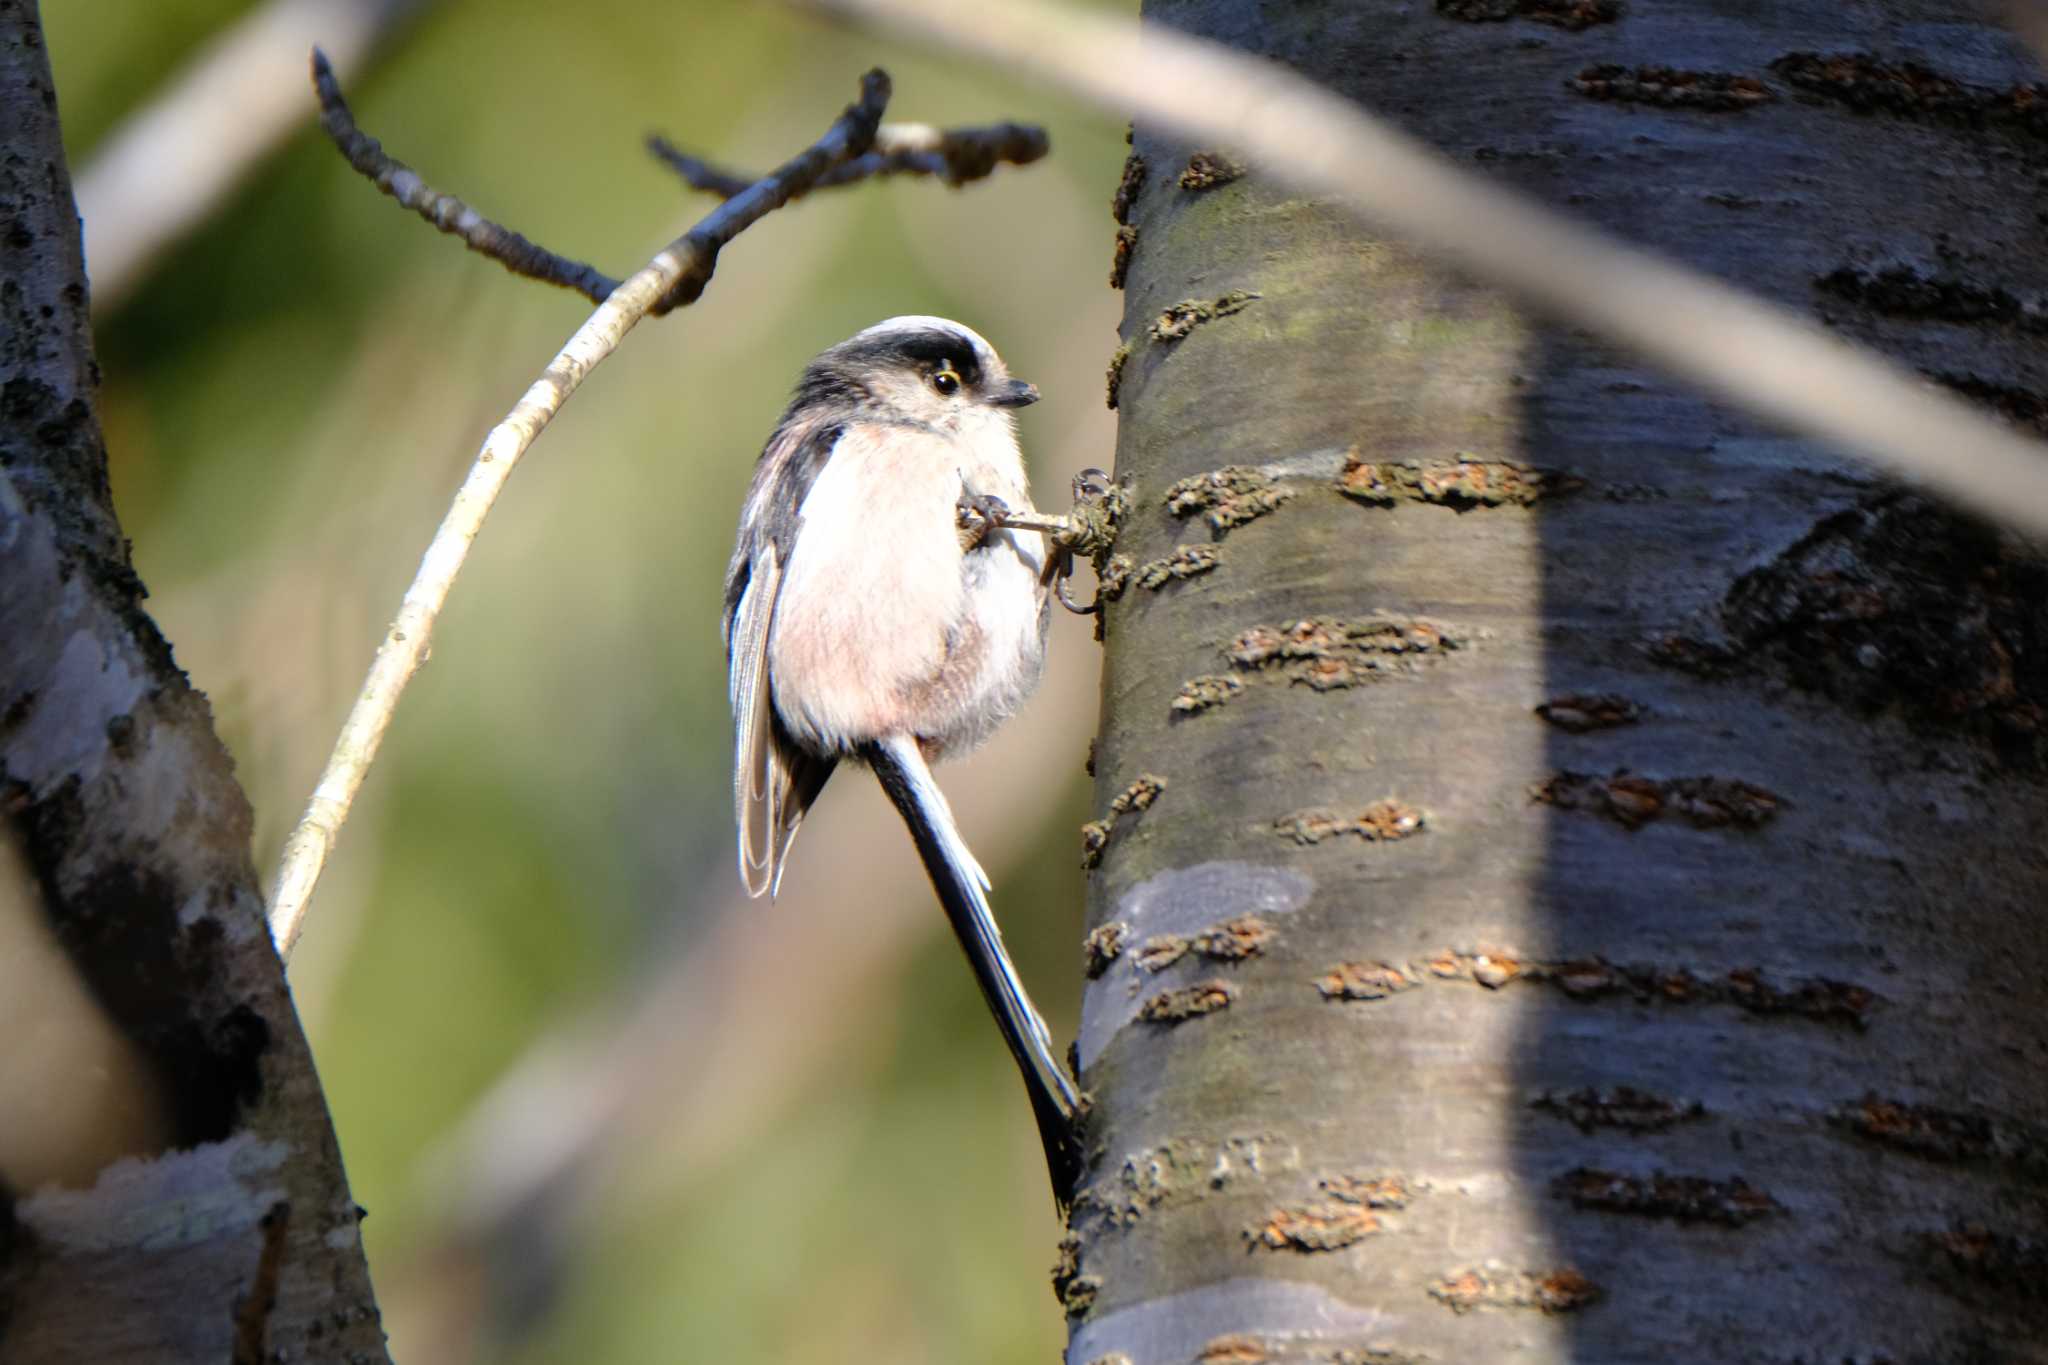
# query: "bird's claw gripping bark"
{"type": "Point", "coordinates": [1091, 525]}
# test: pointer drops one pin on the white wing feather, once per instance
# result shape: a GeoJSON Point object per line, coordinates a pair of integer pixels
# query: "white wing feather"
{"type": "Point", "coordinates": [758, 782]}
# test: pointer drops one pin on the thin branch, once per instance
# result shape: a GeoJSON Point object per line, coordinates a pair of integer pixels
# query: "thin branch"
{"type": "Point", "coordinates": [1047, 522]}
{"type": "Point", "coordinates": [1765, 358]}
{"type": "Point", "coordinates": [954, 155]}
{"type": "Point", "coordinates": [676, 275]}
{"type": "Point", "coordinates": [171, 163]}
{"type": "Point", "coordinates": [445, 211]}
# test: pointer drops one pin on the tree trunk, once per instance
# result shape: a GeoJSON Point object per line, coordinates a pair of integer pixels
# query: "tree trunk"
{"type": "Point", "coordinates": [1574, 858]}
{"type": "Point", "coordinates": [170, 1188]}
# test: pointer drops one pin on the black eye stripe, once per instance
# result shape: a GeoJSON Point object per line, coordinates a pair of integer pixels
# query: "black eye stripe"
{"type": "Point", "coordinates": [926, 350]}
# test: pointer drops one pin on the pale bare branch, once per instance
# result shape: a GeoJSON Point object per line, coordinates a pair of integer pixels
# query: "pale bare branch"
{"type": "Point", "coordinates": [171, 163]}
{"type": "Point", "coordinates": [1764, 358]}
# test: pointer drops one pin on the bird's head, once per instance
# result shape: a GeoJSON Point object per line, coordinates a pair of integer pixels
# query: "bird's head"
{"type": "Point", "coordinates": [928, 370]}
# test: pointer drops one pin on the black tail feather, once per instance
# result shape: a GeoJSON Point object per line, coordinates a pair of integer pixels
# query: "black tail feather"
{"type": "Point", "coordinates": [958, 880]}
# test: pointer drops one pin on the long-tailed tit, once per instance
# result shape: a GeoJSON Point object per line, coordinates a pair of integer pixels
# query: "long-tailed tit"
{"type": "Point", "coordinates": [877, 610]}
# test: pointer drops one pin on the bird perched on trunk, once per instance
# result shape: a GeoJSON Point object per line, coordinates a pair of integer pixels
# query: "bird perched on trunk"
{"type": "Point", "coordinates": [877, 610]}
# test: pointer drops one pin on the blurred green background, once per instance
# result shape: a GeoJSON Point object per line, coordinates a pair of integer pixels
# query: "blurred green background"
{"type": "Point", "coordinates": [600, 1107]}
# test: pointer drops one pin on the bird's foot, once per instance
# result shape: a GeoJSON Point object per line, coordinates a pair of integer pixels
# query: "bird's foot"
{"type": "Point", "coordinates": [978, 515]}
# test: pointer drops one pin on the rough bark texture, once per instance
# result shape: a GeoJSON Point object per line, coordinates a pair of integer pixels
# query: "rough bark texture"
{"type": "Point", "coordinates": [1585, 900]}
{"type": "Point", "coordinates": [227, 1233]}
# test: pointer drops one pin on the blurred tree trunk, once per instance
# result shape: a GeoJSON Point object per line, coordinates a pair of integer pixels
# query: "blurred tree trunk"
{"type": "Point", "coordinates": [170, 1188]}
{"type": "Point", "coordinates": [1579, 885]}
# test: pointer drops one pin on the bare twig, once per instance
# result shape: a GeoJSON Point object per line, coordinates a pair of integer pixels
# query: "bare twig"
{"type": "Point", "coordinates": [676, 275]}
{"type": "Point", "coordinates": [954, 155]}
{"type": "Point", "coordinates": [445, 211]}
{"type": "Point", "coordinates": [1048, 522]}
{"type": "Point", "coordinates": [1759, 356]}
{"type": "Point", "coordinates": [172, 162]}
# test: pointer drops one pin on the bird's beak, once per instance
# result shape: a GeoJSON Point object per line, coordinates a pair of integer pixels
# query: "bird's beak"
{"type": "Point", "coordinates": [1014, 393]}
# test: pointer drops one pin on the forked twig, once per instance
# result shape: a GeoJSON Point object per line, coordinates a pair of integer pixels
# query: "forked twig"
{"type": "Point", "coordinates": [956, 156]}
{"type": "Point", "coordinates": [676, 276]}
{"type": "Point", "coordinates": [953, 155]}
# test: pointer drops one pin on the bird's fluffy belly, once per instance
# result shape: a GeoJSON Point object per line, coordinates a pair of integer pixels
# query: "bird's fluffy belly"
{"type": "Point", "coordinates": [933, 643]}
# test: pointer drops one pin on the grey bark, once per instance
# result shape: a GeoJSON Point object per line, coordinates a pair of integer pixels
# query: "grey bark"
{"type": "Point", "coordinates": [1574, 863]}
{"type": "Point", "coordinates": [225, 1230]}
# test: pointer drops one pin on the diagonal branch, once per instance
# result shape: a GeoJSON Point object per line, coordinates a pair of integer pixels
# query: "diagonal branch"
{"type": "Point", "coordinates": [953, 155]}
{"type": "Point", "coordinates": [676, 276]}
{"type": "Point", "coordinates": [851, 137]}
{"type": "Point", "coordinates": [1764, 358]}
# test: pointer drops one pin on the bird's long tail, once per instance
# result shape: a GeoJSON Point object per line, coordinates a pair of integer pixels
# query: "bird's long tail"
{"type": "Point", "coordinates": [961, 887]}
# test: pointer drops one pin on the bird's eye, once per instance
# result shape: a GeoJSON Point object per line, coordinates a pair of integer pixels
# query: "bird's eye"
{"type": "Point", "coordinates": [946, 379]}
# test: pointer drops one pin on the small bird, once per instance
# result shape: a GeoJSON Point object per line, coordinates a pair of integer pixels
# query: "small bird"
{"type": "Point", "coordinates": [877, 610]}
